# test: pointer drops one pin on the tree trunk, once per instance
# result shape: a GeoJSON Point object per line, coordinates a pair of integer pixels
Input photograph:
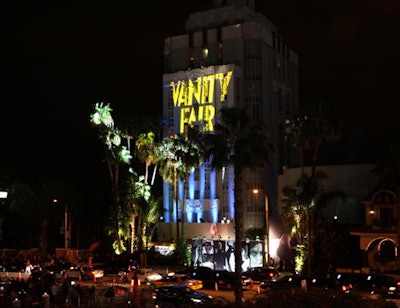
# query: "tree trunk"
{"type": "Point", "coordinates": [176, 203]}
{"type": "Point", "coordinates": [185, 192]}
{"type": "Point", "coordinates": [115, 201]}
{"type": "Point", "coordinates": [133, 230]}
{"type": "Point", "coordinates": [309, 240]}
{"type": "Point", "coordinates": [43, 238]}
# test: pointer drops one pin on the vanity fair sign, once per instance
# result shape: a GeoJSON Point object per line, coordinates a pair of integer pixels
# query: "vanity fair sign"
{"type": "Point", "coordinates": [196, 95]}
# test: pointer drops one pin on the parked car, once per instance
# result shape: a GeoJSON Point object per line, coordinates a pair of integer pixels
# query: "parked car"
{"type": "Point", "coordinates": [204, 274]}
{"type": "Point", "coordinates": [261, 273]}
{"type": "Point", "coordinates": [57, 267]}
{"type": "Point", "coordinates": [116, 266]}
{"type": "Point", "coordinates": [94, 271]}
{"type": "Point", "coordinates": [13, 294]}
{"type": "Point", "coordinates": [13, 267]}
{"type": "Point", "coordinates": [145, 275]}
{"type": "Point", "coordinates": [114, 296]}
{"type": "Point", "coordinates": [74, 272]}
{"type": "Point", "coordinates": [180, 295]}
{"type": "Point", "coordinates": [224, 279]}
{"type": "Point", "coordinates": [172, 278]}
{"type": "Point", "coordinates": [382, 284]}
{"type": "Point", "coordinates": [322, 283]}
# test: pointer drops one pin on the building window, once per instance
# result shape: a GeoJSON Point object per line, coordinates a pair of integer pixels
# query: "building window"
{"type": "Point", "coordinates": [386, 215]}
{"type": "Point", "coordinates": [220, 45]}
{"type": "Point", "coordinates": [191, 50]}
{"type": "Point", "coordinates": [205, 38]}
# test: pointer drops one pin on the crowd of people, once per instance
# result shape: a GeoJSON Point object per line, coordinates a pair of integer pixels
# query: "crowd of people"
{"type": "Point", "coordinates": [39, 285]}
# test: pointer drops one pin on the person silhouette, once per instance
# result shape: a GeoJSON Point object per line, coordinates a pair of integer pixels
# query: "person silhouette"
{"type": "Point", "coordinates": [219, 255]}
{"type": "Point", "coordinates": [229, 255]}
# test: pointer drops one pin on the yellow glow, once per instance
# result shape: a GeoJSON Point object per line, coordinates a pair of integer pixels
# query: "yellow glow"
{"type": "Point", "coordinates": [274, 242]}
{"type": "Point", "coordinates": [196, 99]}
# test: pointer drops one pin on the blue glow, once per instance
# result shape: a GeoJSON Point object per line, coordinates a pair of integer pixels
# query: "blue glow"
{"type": "Point", "coordinates": [202, 208]}
{"type": "Point", "coordinates": [202, 181]}
{"type": "Point", "coordinates": [192, 186]}
{"type": "Point", "coordinates": [174, 212]}
{"type": "Point", "coordinates": [214, 205]}
{"type": "Point", "coordinates": [231, 196]}
{"type": "Point", "coordinates": [189, 214]}
{"type": "Point", "coordinates": [181, 190]}
{"type": "Point", "coordinates": [213, 186]}
{"type": "Point", "coordinates": [166, 201]}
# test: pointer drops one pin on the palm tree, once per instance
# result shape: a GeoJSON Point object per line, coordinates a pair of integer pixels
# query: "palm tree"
{"type": "Point", "coordinates": [141, 129]}
{"type": "Point", "coordinates": [189, 150]}
{"type": "Point", "coordinates": [169, 163]}
{"type": "Point", "coordinates": [239, 143]}
{"type": "Point", "coordinates": [178, 156]}
{"type": "Point", "coordinates": [146, 152]}
{"type": "Point", "coordinates": [131, 193]}
{"type": "Point", "coordinates": [144, 212]}
{"type": "Point", "coordinates": [308, 131]}
{"type": "Point", "coordinates": [116, 154]}
{"type": "Point", "coordinates": [45, 204]}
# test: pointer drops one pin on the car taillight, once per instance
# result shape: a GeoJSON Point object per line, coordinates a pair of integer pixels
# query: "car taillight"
{"type": "Point", "coordinates": [347, 288]}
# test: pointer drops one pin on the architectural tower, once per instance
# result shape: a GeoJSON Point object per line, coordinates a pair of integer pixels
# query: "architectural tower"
{"type": "Point", "coordinates": [228, 55]}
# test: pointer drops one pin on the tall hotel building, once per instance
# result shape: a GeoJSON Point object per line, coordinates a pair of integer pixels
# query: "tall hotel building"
{"type": "Point", "coordinates": [229, 55]}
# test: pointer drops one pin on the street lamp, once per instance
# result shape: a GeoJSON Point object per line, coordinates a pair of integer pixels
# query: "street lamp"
{"type": "Point", "coordinates": [67, 226]}
{"type": "Point", "coordinates": [3, 198]}
{"type": "Point", "coordinates": [266, 244]}
{"type": "Point", "coordinates": [5, 188]}
{"type": "Point", "coordinates": [266, 229]}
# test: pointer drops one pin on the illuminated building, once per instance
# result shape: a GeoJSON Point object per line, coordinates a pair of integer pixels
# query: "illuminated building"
{"type": "Point", "coordinates": [229, 55]}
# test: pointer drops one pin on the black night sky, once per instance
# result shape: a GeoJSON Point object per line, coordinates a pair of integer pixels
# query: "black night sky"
{"type": "Point", "coordinates": [61, 57]}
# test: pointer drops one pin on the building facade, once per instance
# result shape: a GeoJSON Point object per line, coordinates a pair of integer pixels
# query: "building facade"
{"type": "Point", "coordinates": [228, 55]}
{"type": "Point", "coordinates": [379, 235]}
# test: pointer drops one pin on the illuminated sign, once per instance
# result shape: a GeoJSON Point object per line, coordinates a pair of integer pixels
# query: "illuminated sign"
{"type": "Point", "coordinates": [197, 99]}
